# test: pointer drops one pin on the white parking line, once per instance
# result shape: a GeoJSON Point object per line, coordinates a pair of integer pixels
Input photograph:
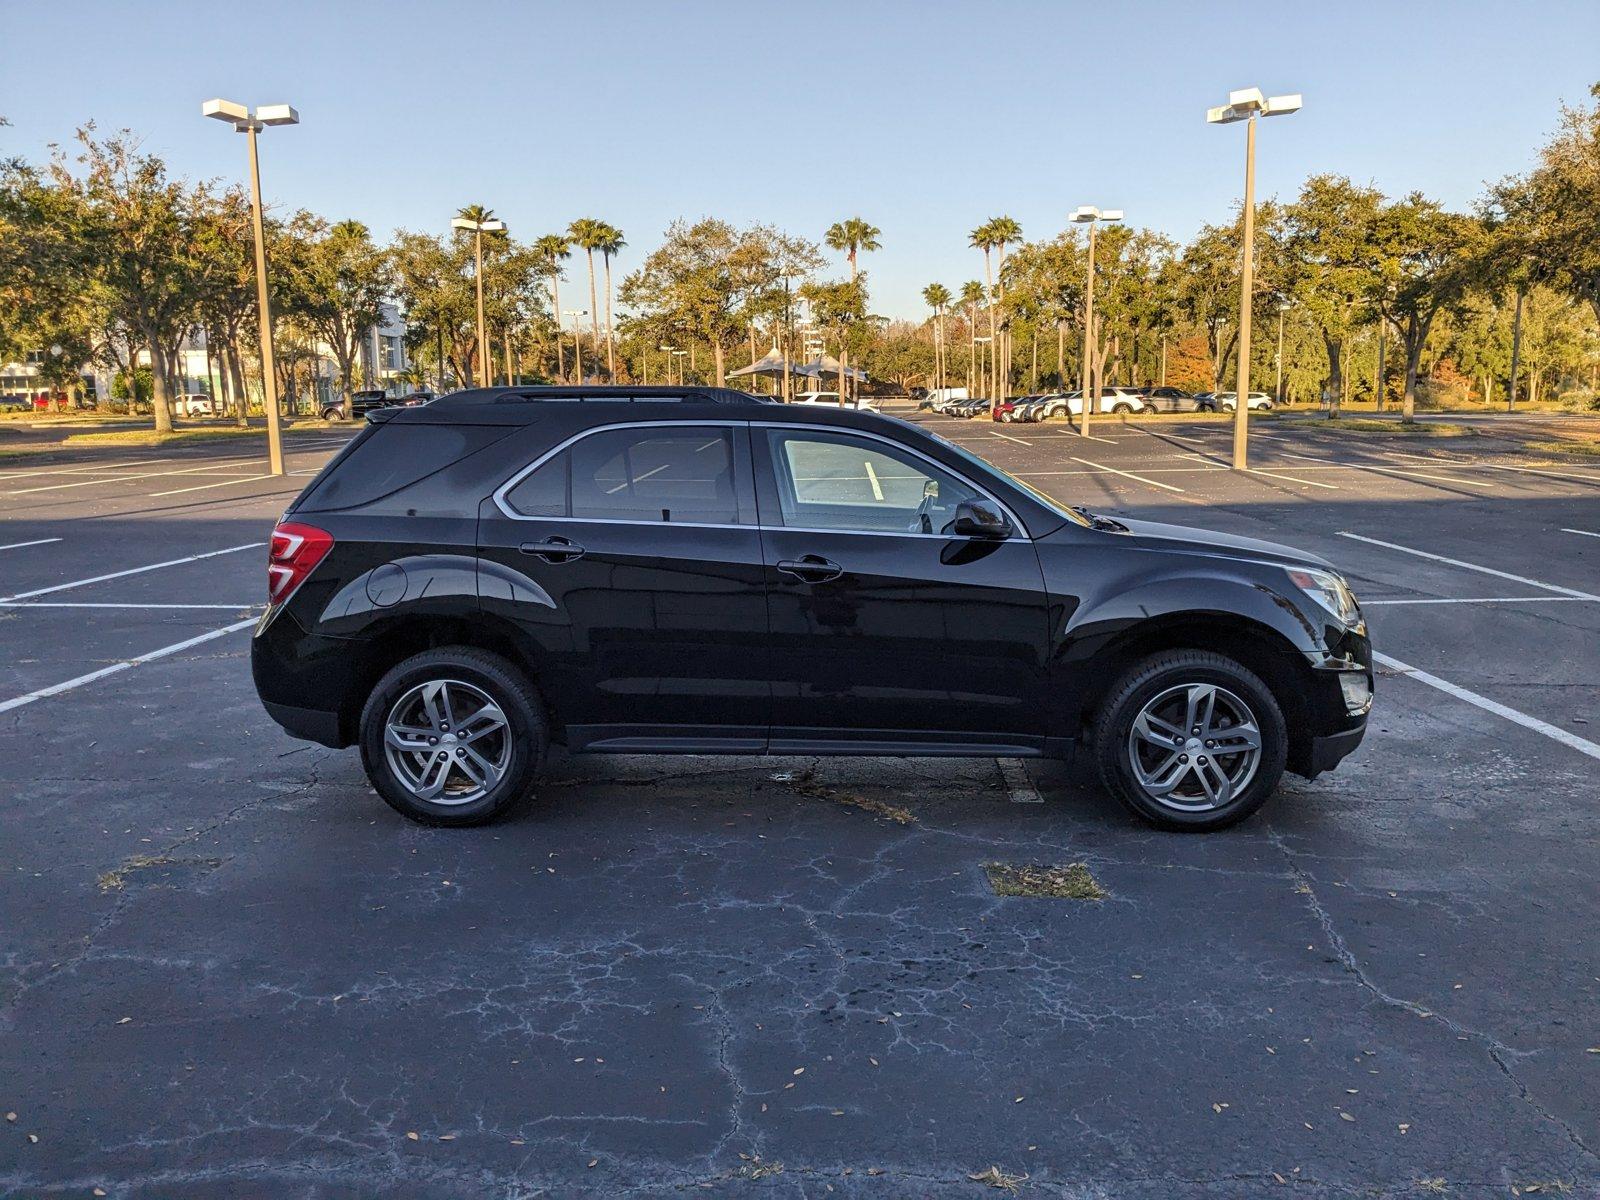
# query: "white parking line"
{"type": "Point", "coordinates": [1009, 438]}
{"type": "Point", "coordinates": [56, 487]}
{"type": "Point", "coordinates": [1128, 474]}
{"type": "Point", "coordinates": [122, 604]}
{"type": "Point", "coordinates": [1489, 466]}
{"type": "Point", "coordinates": [1555, 733]}
{"type": "Point", "coordinates": [1401, 471]}
{"type": "Point", "coordinates": [1579, 532]}
{"type": "Point", "coordinates": [1456, 562]}
{"type": "Point", "coordinates": [55, 689]}
{"type": "Point", "coordinates": [38, 542]}
{"type": "Point", "coordinates": [1291, 479]}
{"type": "Point", "coordinates": [1486, 600]}
{"type": "Point", "coordinates": [200, 487]}
{"type": "Point", "coordinates": [171, 562]}
{"type": "Point", "coordinates": [138, 462]}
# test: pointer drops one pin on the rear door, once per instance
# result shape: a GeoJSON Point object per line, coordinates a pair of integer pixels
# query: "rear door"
{"type": "Point", "coordinates": [630, 560]}
{"type": "Point", "coordinates": [887, 631]}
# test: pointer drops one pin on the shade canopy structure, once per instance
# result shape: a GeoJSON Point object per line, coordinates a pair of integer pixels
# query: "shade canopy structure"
{"type": "Point", "coordinates": [770, 363]}
{"type": "Point", "coordinates": [828, 365]}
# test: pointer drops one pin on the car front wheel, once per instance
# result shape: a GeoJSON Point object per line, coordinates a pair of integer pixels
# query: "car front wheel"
{"type": "Point", "coordinates": [454, 736]}
{"type": "Point", "coordinates": [1191, 740]}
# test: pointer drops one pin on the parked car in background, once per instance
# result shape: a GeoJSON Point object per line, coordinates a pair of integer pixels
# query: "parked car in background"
{"type": "Point", "coordinates": [361, 403]}
{"type": "Point", "coordinates": [1228, 401]}
{"type": "Point", "coordinates": [194, 404]}
{"type": "Point", "coordinates": [1006, 410]}
{"type": "Point", "coordinates": [16, 402]}
{"type": "Point", "coordinates": [473, 582]}
{"type": "Point", "coordinates": [863, 403]}
{"type": "Point", "coordinates": [938, 397]}
{"type": "Point", "coordinates": [976, 406]}
{"type": "Point", "coordinates": [1170, 399]}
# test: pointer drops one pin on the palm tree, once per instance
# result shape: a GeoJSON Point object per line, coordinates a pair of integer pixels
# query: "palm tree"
{"type": "Point", "coordinates": [938, 299]}
{"type": "Point", "coordinates": [851, 237]}
{"type": "Point", "coordinates": [478, 215]}
{"type": "Point", "coordinates": [1004, 230]}
{"type": "Point", "coordinates": [589, 233]}
{"type": "Point", "coordinates": [972, 295]}
{"type": "Point", "coordinates": [986, 239]}
{"type": "Point", "coordinates": [552, 249]}
{"type": "Point", "coordinates": [610, 243]}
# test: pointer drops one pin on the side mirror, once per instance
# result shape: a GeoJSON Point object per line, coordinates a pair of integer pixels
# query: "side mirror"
{"type": "Point", "coordinates": [980, 519]}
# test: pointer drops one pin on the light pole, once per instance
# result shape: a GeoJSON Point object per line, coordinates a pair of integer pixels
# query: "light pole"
{"type": "Point", "coordinates": [1277, 391]}
{"type": "Point", "coordinates": [680, 355]}
{"type": "Point", "coordinates": [478, 229]}
{"type": "Point", "coordinates": [668, 350]}
{"type": "Point", "coordinates": [577, 339]}
{"type": "Point", "coordinates": [1091, 216]}
{"type": "Point", "coordinates": [1245, 105]}
{"type": "Point", "coordinates": [250, 124]}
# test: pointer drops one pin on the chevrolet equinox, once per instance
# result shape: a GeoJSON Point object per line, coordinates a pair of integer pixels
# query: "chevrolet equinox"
{"type": "Point", "coordinates": [695, 570]}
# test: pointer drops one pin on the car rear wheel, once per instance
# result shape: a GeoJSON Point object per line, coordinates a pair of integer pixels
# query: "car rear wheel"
{"type": "Point", "coordinates": [454, 736]}
{"type": "Point", "coordinates": [1190, 740]}
{"type": "Point", "coordinates": [1122, 409]}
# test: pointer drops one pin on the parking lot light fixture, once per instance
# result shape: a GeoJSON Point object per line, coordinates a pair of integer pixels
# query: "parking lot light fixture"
{"type": "Point", "coordinates": [669, 351]}
{"type": "Point", "coordinates": [1091, 216]}
{"type": "Point", "coordinates": [243, 121]}
{"type": "Point", "coordinates": [1246, 104]}
{"type": "Point", "coordinates": [577, 338]}
{"type": "Point", "coordinates": [478, 229]}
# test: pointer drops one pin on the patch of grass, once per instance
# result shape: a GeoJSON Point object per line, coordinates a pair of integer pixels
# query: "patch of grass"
{"type": "Point", "coordinates": [806, 785]}
{"type": "Point", "coordinates": [149, 437]}
{"type": "Point", "coordinates": [117, 878]}
{"type": "Point", "coordinates": [1395, 428]}
{"type": "Point", "coordinates": [1565, 447]}
{"type": "Point", "coordinates": [1069, 882]}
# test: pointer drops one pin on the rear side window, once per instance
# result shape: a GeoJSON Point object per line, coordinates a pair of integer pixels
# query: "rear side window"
{"type": "Point", "coordinates": [681, 473]}
{"type": "Point", "coordinates": [391, 457]}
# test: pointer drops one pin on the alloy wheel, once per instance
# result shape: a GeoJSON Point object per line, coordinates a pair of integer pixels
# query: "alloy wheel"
{"type": "Point", "coordinates": [1194, 747]}
{"type": "Point", "coordinates": [447, 742]}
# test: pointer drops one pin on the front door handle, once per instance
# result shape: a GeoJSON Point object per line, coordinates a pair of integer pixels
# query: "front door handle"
{"type": "Point", "coordinates": [553, 550]}
{"type": "Point", "coordinates": [813, 568]}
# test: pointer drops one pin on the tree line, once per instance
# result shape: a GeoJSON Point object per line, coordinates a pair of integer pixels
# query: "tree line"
{"type": "Point", "coordinates": [105, 257]}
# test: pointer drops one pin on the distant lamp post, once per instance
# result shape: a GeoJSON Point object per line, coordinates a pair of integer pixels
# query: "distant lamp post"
{"type": "Point", "coordinates": [478, 229]}
{"type": "Point", "coordinates": [250, 124]}
{"type": "Point", "coordinates": [1246, 105]}
{"type": "Point", "coordinates": [668, 351]}
{"type": "Point", "coordinates": [680, 355]}
{"type": "Point", "coordinates": [577, 339]}
{"type": "Point", "coordinates": [1277, 391]}
{"type": "Point", "coordinates": [1091, 216]}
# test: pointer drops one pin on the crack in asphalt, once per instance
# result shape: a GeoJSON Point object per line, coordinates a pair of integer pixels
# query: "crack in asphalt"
{"type": "Point", "coordinates": [1498, 1051]}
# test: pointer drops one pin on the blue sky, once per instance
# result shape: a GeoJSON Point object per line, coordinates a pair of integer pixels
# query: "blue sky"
{"type": "Point", "coordinates": [924, 117]}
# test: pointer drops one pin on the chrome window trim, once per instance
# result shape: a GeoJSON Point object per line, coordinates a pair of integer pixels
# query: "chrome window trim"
{"type": "Point", "coordinates": [1020, 531]}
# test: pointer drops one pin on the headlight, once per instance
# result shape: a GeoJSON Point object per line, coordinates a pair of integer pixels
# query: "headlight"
{"type": "Point", "coordinates": [1328, 590]}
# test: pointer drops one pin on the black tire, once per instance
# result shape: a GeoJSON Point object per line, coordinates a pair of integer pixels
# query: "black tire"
{"type": "Point", "coordinates": [333, 414]}
{"type": "Point", "coordinates": [1122, 409]}
{"type": "Point", "coordinates": [1147, 680]}
{"type": "Point", "coordinates": [526, 732]}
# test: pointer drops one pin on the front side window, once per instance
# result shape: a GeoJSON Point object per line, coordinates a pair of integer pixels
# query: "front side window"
{"type": "Point", "coordinates": [835, 481]}
{"type": "Point", "coordinates": [681, 474]}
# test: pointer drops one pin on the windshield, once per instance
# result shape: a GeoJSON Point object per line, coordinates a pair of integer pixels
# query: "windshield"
{"type": "Point", "coordinates": [987, 467]}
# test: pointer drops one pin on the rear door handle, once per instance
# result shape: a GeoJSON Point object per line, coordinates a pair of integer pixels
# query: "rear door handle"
{"type": "Point", "coordinates": [813, 568]}
{"type": "Point", "coordinates": [553, 550]}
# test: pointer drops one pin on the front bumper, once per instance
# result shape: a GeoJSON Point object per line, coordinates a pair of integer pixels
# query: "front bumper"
{"type": "Point", "coordinates": [1331, 749]}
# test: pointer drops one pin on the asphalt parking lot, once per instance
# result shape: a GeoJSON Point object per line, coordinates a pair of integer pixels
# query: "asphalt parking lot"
{"type": "Point", "coordinates": [227, 969]}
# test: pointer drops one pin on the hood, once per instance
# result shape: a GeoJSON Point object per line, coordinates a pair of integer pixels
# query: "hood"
{"type": "Point", "coordinates": [1154, 535]}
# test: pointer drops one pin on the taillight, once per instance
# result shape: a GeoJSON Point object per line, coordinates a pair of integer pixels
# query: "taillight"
{"type": "Point", "coordinates": [296, 550]}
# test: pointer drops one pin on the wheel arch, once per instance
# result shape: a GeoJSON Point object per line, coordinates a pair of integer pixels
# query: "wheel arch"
{"type": "Point", "coordinates": [1253, 644]}
{"type": "Point", "coordinates": [392, 641]}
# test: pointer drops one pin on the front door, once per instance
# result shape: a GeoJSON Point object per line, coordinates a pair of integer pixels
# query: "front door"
{"type": "Point", "coordinates": [889, 632]}
{"type": "Point", "coordinates": [630, 561]}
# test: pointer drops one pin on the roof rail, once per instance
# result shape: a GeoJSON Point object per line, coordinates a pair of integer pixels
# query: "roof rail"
{"type": "Point", "coordinates": [612, 394]}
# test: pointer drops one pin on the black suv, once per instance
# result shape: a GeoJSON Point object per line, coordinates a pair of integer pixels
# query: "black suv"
{"type": "Point", "coordinates": [694, 570]}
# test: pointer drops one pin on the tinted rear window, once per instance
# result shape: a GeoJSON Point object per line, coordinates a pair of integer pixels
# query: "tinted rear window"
{"type": "Point", "coordinates": [394, 456]}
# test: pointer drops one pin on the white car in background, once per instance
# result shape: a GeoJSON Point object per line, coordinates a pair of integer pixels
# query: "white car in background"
{"type": "Point", "coordinates": [862, 404]}
{"type": "Point", "coordinates": [1228, 401]}
{"type": "Point", "coordinates": [194, 404]}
